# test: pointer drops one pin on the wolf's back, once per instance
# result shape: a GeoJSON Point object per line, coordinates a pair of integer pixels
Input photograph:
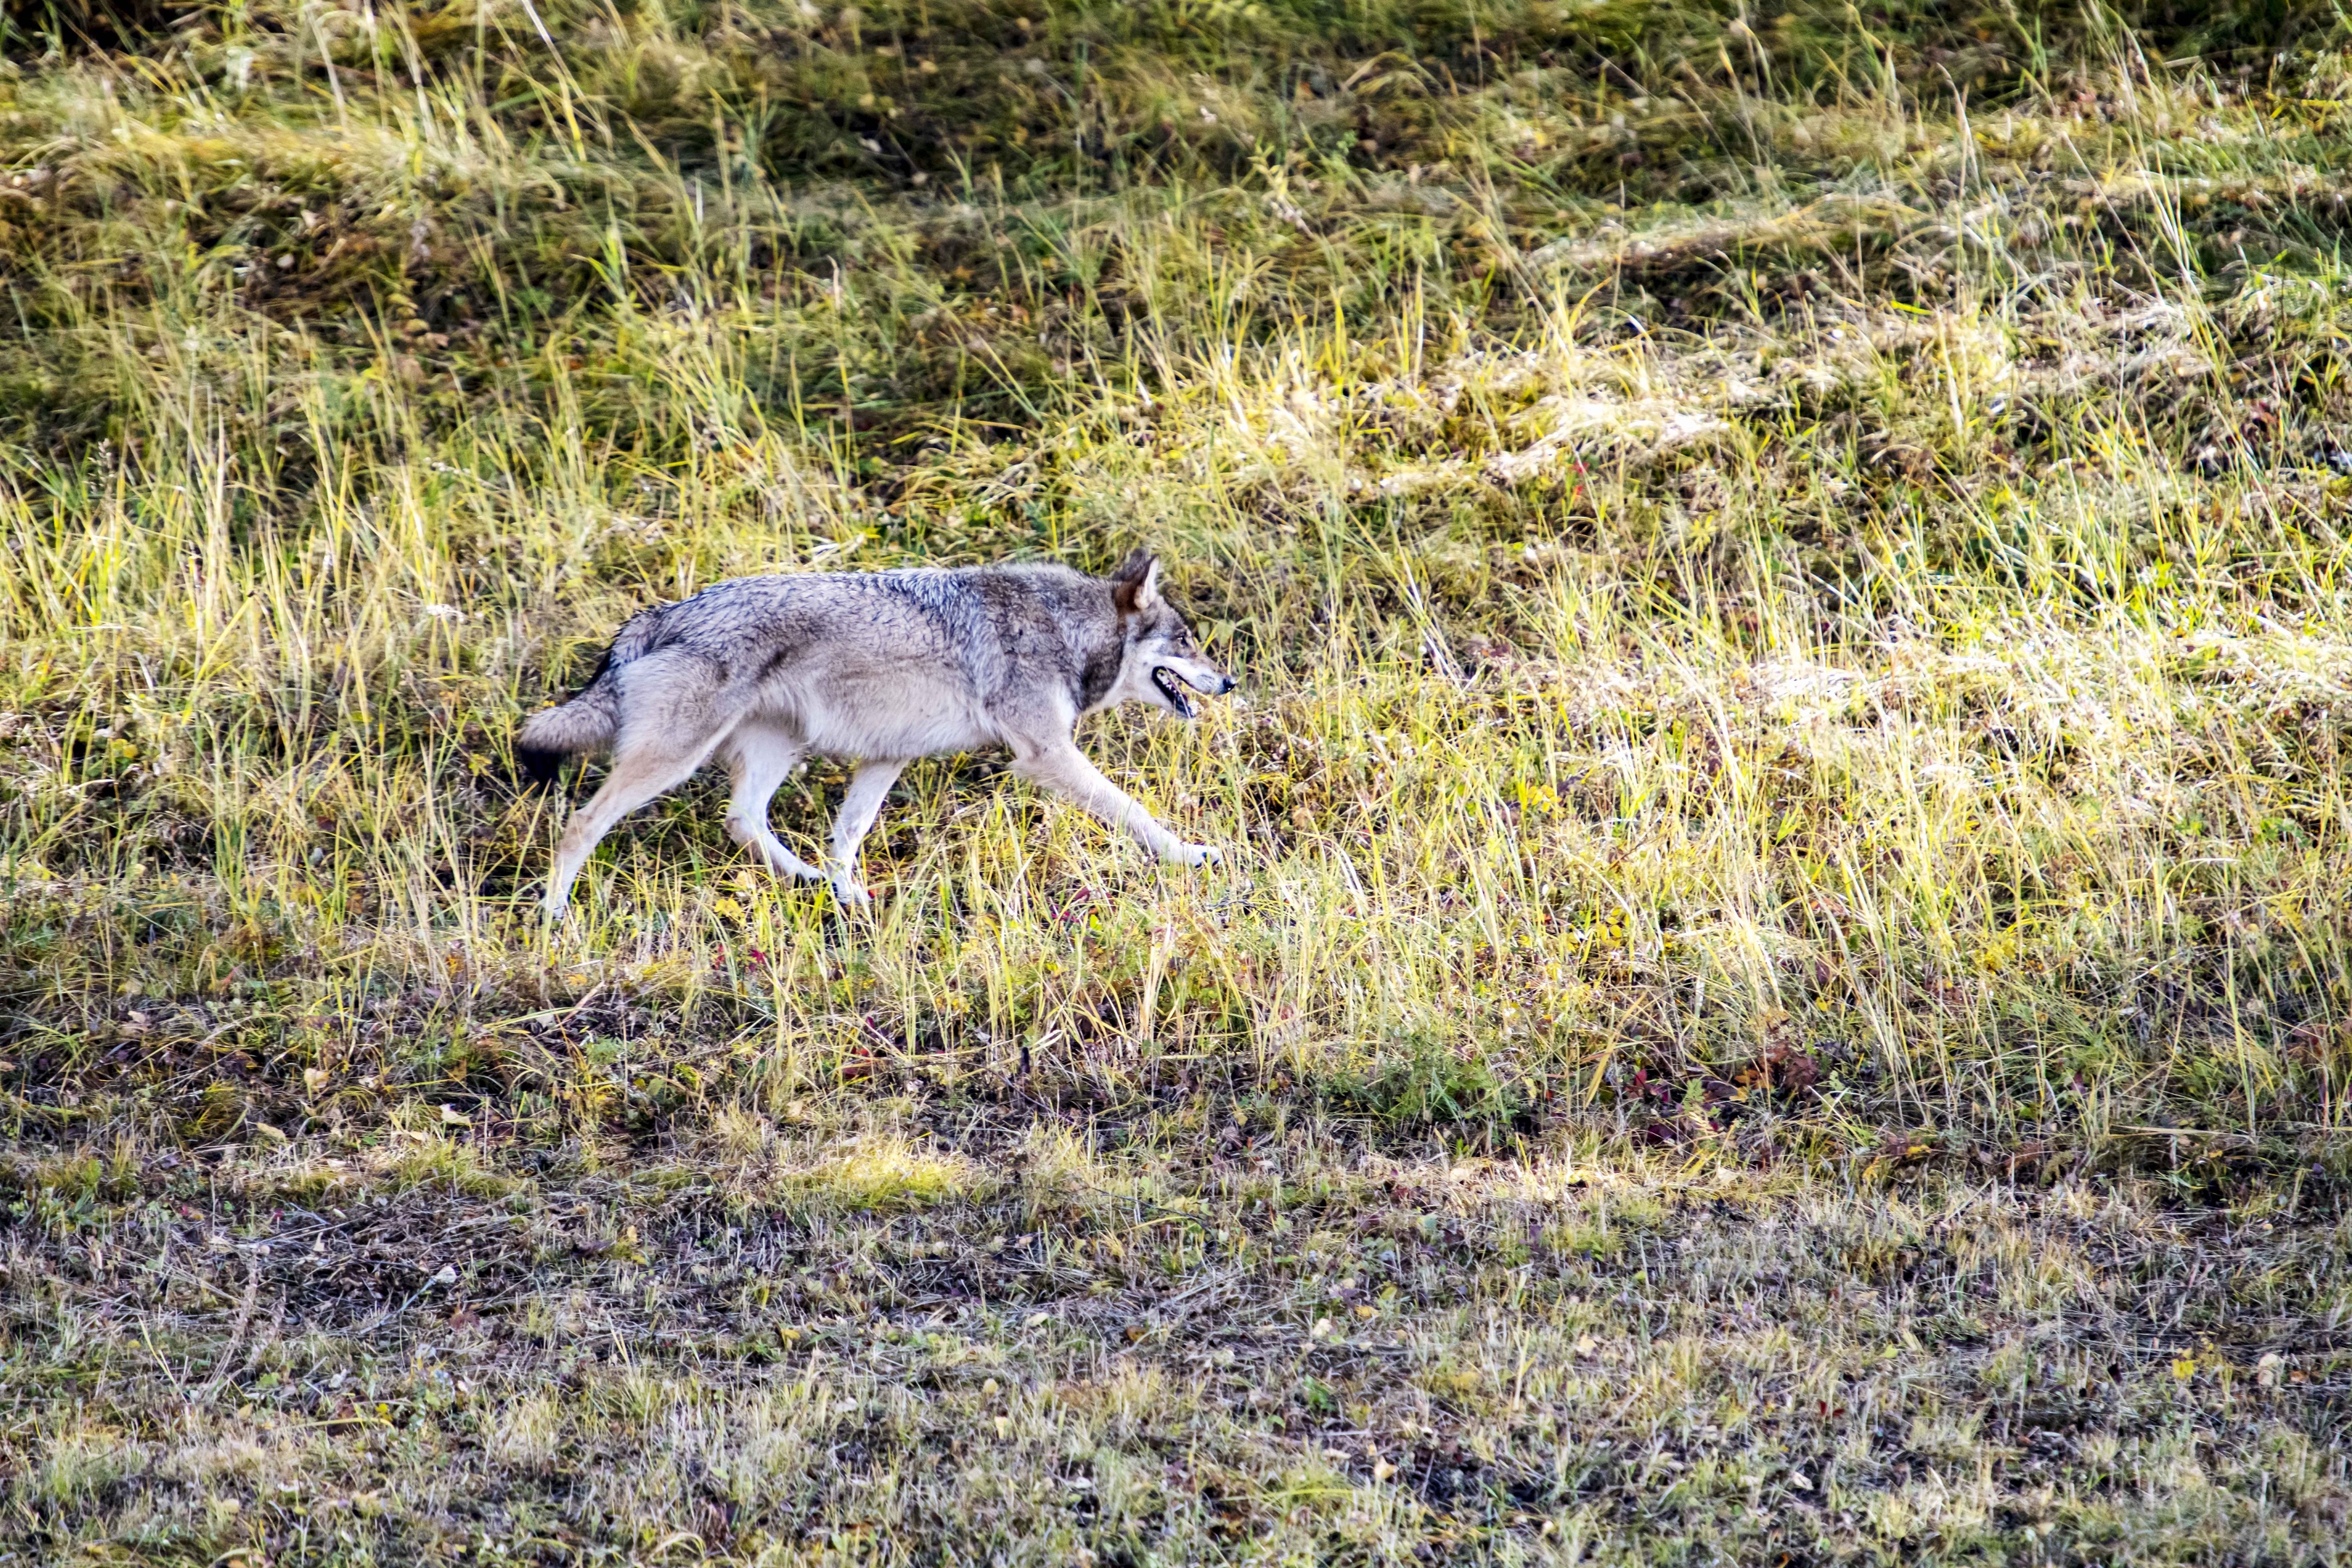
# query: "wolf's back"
{"type": "Point", "coordinates": [593, 716]}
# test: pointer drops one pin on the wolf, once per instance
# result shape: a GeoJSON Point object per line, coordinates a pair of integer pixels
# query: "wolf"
{"type": "Point", "coordinates": [878, 668]}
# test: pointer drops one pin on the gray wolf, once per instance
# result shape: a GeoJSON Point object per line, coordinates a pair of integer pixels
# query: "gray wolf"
{"type": "Point", "coordinates": [878, 668]}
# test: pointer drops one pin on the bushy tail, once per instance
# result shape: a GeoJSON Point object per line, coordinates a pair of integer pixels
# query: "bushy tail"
{"type": "Point", "coordinates": [593, 717]}
{"type": "Point", "coordinates": [582, 724]}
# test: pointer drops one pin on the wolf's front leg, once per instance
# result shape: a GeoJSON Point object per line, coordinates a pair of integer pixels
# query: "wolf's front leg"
{"type": "Point", "coordinates": [1065, 769]}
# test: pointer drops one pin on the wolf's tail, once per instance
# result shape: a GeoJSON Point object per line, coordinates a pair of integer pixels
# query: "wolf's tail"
{"type": "Point", "coordinates": [582, 724]}
{"type": "Point", "coordinates": [593, 717]}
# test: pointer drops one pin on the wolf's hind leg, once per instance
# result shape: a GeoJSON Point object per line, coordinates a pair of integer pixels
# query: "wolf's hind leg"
{"type": "Point", "coordinates": [1065, 769]}
{"type": "Point", "coordinates": [763, 757]}
{"type": "Point", "coordinates": [859, 806]}
{"type": "Point", "coordinates": [642, 769]}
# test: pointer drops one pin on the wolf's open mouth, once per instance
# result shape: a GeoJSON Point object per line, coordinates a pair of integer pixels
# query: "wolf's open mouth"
{"type": "Point", "coordinates": [1171, 687]}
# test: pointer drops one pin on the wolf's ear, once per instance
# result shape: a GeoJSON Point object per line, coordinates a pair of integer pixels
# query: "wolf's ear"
{"type": "Point", "coordinates": [1136, 584]}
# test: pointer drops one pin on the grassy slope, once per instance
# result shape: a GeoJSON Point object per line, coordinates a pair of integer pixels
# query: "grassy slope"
{"type": "Point", "coordinates": [1781, 994]}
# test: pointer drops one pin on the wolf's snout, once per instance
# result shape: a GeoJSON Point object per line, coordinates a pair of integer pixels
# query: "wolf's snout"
{"type": "Point", "coordinates": [1215, 683]}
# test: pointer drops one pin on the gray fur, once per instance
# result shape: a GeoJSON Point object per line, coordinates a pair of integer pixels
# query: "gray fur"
{"type": "Point", "coordinates": [879, 668]}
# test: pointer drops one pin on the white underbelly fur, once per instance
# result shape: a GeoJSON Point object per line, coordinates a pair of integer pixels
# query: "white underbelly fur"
{"type": "Point", "coordinates": [877, 714]}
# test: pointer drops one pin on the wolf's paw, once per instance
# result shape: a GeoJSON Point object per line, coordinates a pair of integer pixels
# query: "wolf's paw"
{"type": "Point", "coordinates": [1196, 855]}
{"type": "Point", "coordinates": [850, 894]}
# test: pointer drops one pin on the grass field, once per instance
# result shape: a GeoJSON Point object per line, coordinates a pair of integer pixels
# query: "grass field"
{"type": "Point", "coordinates": [1779, 992]}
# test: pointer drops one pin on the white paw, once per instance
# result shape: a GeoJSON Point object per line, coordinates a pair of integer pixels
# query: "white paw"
{"type": "Point", "coordinates": [1196, 855]}
{"type": "Point", "coordinates": [553, 909]}
{"type": "Point", "coordinates": [850, 893]}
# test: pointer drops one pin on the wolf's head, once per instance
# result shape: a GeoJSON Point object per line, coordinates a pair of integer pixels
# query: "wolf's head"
{"type": "Point", "coordinates": [1160, 662]}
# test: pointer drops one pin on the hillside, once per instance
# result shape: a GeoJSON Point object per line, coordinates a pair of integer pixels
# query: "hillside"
{"type": "Point", "coordinates": [1778, 992]}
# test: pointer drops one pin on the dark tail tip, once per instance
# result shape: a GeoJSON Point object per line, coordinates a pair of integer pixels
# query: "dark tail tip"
{"type": "Point", "coordinates": [539, 766]}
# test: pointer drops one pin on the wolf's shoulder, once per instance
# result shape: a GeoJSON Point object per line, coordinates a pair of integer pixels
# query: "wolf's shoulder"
{"type": "Point", "coordinates": [1047, 580]}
